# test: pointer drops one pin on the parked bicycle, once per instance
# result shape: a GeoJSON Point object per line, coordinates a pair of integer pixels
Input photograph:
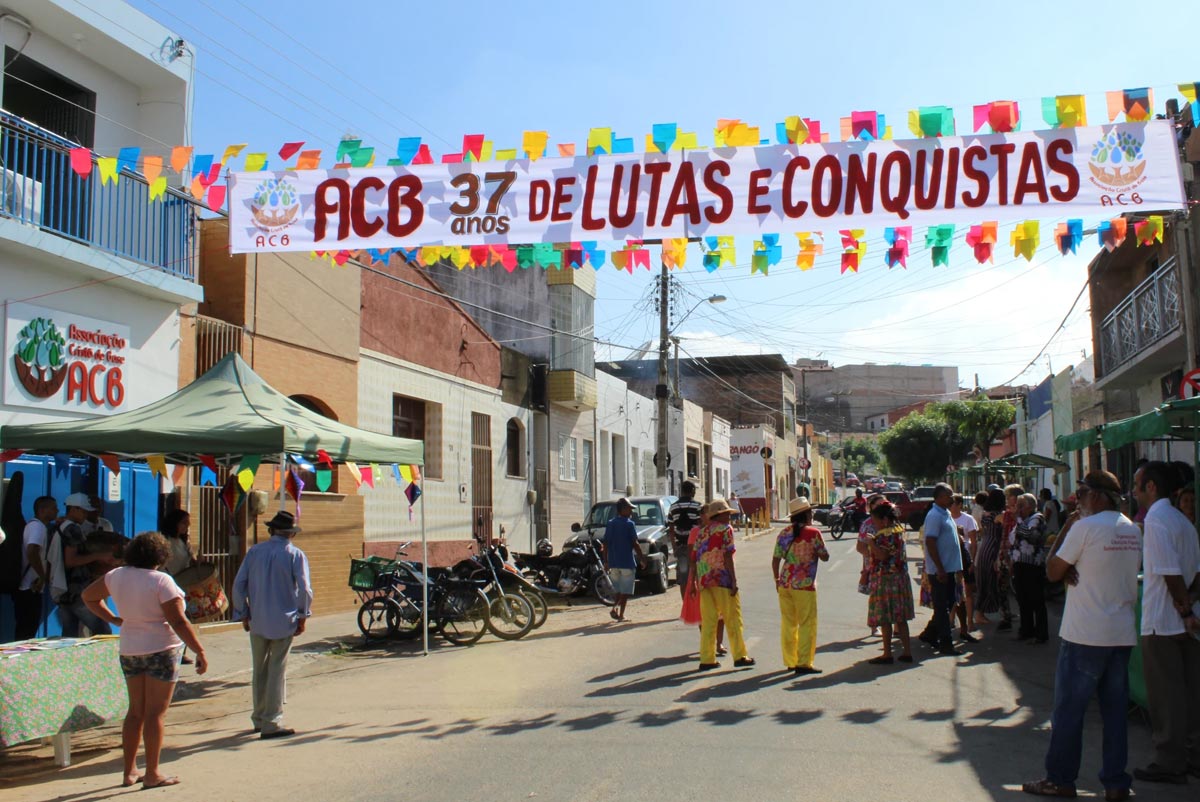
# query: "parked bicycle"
{"type": "Point", "coordinates": [392, 601]}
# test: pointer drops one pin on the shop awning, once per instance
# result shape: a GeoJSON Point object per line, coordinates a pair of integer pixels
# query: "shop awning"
{"type": "Point", "coordinates": [1030, 462]}
{"type": "Point", "coordinates": [226, 413]}
{"type": "Point", "coordinates": [1077, 441]}
{"type": "Point", "coordinates": [1177, 420]}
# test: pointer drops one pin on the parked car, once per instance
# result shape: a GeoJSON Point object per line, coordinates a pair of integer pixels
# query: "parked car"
{"type": "Point", "coordinates": [893, 487]}
{"type": "Point", "coordinates": [852, 480]}
{"type": "Point", "coordinates": [875, 485]}
{"type": "Point", "coordinates": [909, 509]}
{"type": "Point", "coordinates": [650, 519]}
{"type": "Point", "coordinates": [837, 478]}
{"type": "Point", "coordinates": [923, 492]}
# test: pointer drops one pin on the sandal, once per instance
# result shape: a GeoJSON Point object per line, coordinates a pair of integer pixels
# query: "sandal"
{"type": "Point", "coordinates": [162, 782]}
{"type": "Point", "coordinates": [722, 651]}
{"type": "Point", "coordinates": [882, 660]}
{"type": "Point", "coordinates": [1047, 788]}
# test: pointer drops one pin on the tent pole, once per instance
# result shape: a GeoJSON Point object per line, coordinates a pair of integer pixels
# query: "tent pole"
{"type": "Point", "coordinates": [282, 479]}
{"type": "Point", "coordinates": [424, 581]}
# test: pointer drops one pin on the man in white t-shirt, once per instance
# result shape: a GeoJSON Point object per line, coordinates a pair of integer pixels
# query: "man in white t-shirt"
{"type": "Point", "coordinates": [35, 574]}
{"type": "Point", "coordinates": [968, 533]}
{"type": "Point", "coordinates": [1170, 655]}
{"type": "Point", "coordinates": [1099, 558]}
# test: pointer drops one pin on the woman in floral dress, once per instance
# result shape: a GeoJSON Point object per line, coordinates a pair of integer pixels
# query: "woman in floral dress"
{"type": "Point", "coordinates": [891, 599]}
{"type": "Point", "coordinates": [988, 595]}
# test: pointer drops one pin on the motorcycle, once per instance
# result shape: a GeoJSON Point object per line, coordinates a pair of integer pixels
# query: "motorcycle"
{"type": "Point", "coordinates": [575, 570]}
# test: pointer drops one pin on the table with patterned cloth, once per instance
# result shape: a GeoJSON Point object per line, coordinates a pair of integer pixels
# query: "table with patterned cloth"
{"type": "Point", "coordinates": [60, 691]}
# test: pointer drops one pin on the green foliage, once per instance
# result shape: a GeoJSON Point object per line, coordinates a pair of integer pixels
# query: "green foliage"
{"type": "Point", "coordinates": [916, 447]}
{"type": "Point", "coordinates": [41, 344]}
{"type": "Point", "coordinates": [854, 455]}
{"type": "Point", "coordinates": [974, 424]}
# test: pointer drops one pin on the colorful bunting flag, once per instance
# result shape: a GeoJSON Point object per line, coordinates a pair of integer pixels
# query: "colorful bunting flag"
{"type": "Point", "coordinates": [939, 239]}
{"type": "Point", "coordinates": [256, 162]}
{"type": "Point", "coordinates": [982, 239]}
{"type": "Point", "coordinates": [1150, 230]}
{"type": "Point", "coordinates": [1065, 111]}
{"type": "Point", "coordinates": [735, 133]}
{"type": "Point", "coordinates": [356, 472]}
{"type": "Point", "coordinates": [10, 454]}
{"type": "Point", "coordinates": [898, 239]}
{"type": "Point", "coordinates": [81, 162]}
{"type": "Point", "coordinates": [720, 252]}
{"type": "Point", "coordinates": [1136, 104]}
{"type": "Point", "coordinates": [1068, 236]}
{"type": "Point", "coordinates": [412, 493]}
{"type": "Point", "coordinates": [324, 479]}
{"type": "Point", "coordinates": [931, 121]}
{"type": "Point", "coordinates": [62, 464]}
{"type": "Point", "coordinates": [631, 256]}
{"type": "Point", "coordinates": [767, 252]}
{"type": "Point", "coordinates": [246, 470]}
{"type": "Point", "coordinates": [289, 149]}
{"type": "Point", "coordinates": [812, 245]}
{"type": "Point", "coordinates": [177, 474]}
{"type": "Point", "coordinates": [566, 151]}
{"type": "Point", "coordinates": [1112, 233]}
{"type": "Point", "coordinates": [533, 144]}
{"type": "Point", "coordinates": [157, 464]}
{"type": "Point", "coordinates": [1001, 116]}
{"type": "Point", "coordinates": [853, 248]}
{"type": "Point", "coordinates": [674, 252]}
{"type": "Point", "coordinates": [232, 494]}
{"type": "Point", "coordinates": [111, 461]}
{"type": "Point", "coordinates": [180, 156]}
{"type": "Point", "coordinates": [1024, 239]}
{"type": "Point", "coordinates": [108, 170]}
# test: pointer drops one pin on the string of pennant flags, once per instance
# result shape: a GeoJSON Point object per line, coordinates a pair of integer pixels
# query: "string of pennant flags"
{"type": "Point", "coordinates": [201, 175]}
{"type": "Point", "coordinates": [201, 172]}
{"type": "Point", "coordinates": [1025, 240]}
{"type": "Point", "coordinates": [241, 480]}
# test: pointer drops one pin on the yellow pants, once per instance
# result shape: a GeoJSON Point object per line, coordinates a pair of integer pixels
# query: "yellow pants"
{"type": "Point", "coordinates": [720, 603]}
{"type": "Point", "coordinates": [798, 628]}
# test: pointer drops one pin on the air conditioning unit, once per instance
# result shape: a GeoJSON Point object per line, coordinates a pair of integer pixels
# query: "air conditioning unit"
{"type": "Point", "coordinates": [20, 198]}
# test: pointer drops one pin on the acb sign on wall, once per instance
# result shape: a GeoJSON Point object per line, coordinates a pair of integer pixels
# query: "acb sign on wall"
{"type": "Point", "coordinates": [56, 360]}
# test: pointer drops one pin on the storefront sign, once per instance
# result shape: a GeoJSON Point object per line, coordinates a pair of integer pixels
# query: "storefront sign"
{"type": "Point", "coordinates": [56, 360]}
{"type": "Point", "coordinates": [1076, 172]}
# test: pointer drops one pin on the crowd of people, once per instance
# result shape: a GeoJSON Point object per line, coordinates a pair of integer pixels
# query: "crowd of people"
{"type": "Point", "coordinates": [1005, 545]}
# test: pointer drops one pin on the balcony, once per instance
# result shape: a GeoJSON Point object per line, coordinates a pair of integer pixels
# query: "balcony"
{"type": "Point", "coordinates": [39, 189]}
{"type": "Point", "coordinates": [571, 389]}
{"type": "Point", "coordinates": [1148, 316]}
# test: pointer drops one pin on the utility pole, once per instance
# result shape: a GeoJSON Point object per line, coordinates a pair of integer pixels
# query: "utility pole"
{"type": "Point", "coordinates": [661, 392]}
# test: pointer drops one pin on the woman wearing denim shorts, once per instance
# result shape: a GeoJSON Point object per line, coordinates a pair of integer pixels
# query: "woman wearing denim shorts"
{"type": "Point", "coordinates": [154, 630]}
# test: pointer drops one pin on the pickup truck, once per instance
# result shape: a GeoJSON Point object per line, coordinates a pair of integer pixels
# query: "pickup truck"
{"type": "Point", "coordinates": [911, 510]}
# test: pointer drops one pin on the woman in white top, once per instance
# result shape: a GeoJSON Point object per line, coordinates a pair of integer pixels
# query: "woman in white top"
{"type": "Point", "coordinates": [153, 632]}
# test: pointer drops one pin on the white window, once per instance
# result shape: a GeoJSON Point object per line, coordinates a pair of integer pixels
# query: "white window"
{"type": "Point", "coordinates": [566, 458]}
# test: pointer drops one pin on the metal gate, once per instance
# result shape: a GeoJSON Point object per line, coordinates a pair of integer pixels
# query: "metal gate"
{"type": "Point", "coordinates": [587, 477]}
{"type": "Point", "coordinates": [216, 537]}
{"type": "Point", "coordinates": [481, 477]}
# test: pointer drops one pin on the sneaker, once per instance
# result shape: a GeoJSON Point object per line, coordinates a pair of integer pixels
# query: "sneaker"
{"type": "Point", "coordinates": [1157, 774]}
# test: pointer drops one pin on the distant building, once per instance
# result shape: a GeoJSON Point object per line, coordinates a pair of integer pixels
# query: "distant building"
{"type": "Point", "coordinates": [850, 397]}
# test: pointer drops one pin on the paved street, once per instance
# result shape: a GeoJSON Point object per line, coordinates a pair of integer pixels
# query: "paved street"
{"type": "Point", "coordinates": [591, 710]}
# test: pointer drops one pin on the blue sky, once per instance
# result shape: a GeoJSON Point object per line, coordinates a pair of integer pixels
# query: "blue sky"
{"type": "Point", "coordinates": [270, 71]}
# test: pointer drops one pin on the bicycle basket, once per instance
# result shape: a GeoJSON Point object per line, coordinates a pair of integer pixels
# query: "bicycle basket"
{"type": "Point", "coordinates": [367, 574]}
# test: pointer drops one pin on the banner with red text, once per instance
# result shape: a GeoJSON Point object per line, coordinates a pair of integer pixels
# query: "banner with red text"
{"type": "Point", "coordinates": [1075, 172]}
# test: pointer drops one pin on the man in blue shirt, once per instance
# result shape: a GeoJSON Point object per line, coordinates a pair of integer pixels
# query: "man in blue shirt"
{"type": "Point", "coordinates": [272, 597]}
{"type": "Point", "coordinates": [622, 555]}
{"type": "Point", "coordinates": [943, 563]}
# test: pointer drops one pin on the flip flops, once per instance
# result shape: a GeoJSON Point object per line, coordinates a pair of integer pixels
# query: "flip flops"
{"type": "Point", "coordinates": [162, 783]}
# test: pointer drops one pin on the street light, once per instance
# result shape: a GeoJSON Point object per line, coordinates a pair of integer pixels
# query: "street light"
{"type": "Point", "coordinates": [661, 391]}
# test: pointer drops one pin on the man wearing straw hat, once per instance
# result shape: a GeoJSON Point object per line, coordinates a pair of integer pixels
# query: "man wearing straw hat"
{"type": "Point", "coordinates": [272, 597]}
{"type": "Point", "coordinates": [715, 575]}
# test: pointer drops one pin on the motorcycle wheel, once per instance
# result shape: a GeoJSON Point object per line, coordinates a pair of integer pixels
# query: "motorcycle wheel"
{"type": "Point", "coordinates": [537, 601]}
{"type": "Point", "coordinates": [510, 616]}
{"type": "Point", "coordinates": [604, 590]}
{"type": "Point", "coordinates": [378, 618]}
{"type": "Point", "coordinates": [462, 616]}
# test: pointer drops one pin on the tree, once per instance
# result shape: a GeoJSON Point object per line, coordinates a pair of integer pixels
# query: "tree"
{"type": "Point", "coordinates": [854, 455]}
{"type": "Point", "coordinates": [975, 423]}
{"type": "Point", "coordinates": [916, 447]}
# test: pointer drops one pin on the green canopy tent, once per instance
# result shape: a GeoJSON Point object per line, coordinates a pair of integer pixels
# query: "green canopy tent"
{"type": "Point", "coordinates": [227, 413]}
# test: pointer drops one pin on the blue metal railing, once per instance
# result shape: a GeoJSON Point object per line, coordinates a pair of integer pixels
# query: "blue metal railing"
{"type": "Point", "coordinates": [39, 188]}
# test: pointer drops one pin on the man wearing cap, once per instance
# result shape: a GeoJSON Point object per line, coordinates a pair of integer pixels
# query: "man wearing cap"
{"type": "Point", "coordinates": [716, 576]}
{"type": "Point", "coordinates": [272, 597]}
{"type": "Point", "coordinates": [78, 563]}
{"type": "Point", "coordinates": [798, 549]}
{"type": "Point", "coordinates": [1098, 556]}
{"type": "Point", "coordinates": [622, 556]}
{"type": "Point", "coordinates": [1170, 655]}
